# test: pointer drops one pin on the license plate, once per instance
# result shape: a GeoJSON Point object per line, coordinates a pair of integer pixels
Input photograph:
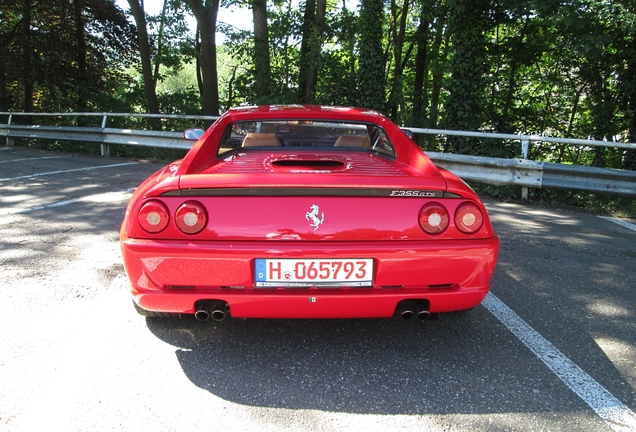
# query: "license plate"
{"type": "Point", "coordinates": [300, 273]}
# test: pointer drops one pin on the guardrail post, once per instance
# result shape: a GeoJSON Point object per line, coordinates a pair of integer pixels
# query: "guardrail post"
{"type": "Point", "coordinates": [10, 141]}
{"type": "Point", "coordinates": [525, 147]}
{"type": "Point", "coordinates": [105, 148]}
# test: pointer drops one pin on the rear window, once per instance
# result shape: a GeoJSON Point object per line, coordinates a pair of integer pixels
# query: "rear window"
{"type": "Point", "coordinates": [306, 134]}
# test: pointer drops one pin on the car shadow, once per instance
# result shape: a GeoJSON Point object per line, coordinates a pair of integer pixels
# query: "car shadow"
{"type": "Point", "coordinates": [461, 363]}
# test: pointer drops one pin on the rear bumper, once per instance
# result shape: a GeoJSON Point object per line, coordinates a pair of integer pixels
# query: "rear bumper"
{"type": "Point", "coordinates": [170, 276]}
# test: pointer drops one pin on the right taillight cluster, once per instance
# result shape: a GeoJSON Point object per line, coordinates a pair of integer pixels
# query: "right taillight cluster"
{"type": "Point", "coordinates": [434, 218]}
{"type": "Point", "coordinates": [190, 217]}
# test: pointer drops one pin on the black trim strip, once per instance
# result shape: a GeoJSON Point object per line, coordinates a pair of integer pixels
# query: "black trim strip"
{"type": "Point", "coordinates": [352, 192]}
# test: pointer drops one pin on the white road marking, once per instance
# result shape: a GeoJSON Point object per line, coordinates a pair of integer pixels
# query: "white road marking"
{"type": "Point", "coordinates": [609, 408]}
{"type": "Point", "coordinates": [103, 197]}
{"type": "Point", "coordinates": [620, 222]}
{"type": "Point", "coordinates": [33, 158]}
{"type": "Point", "coordinates": [67, 171]}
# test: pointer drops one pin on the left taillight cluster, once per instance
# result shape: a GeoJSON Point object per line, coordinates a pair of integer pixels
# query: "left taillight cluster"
{"type": "Point", "coordinates": [190, 217]}
{"type": "Point", "coordinates": [434, 218]}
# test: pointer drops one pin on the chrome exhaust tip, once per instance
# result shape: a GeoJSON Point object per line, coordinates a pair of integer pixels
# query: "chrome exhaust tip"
{"type": "Point", "coordinates": [218, 315]}
{"type": "Point", "coordinates": [405, 310]}
{"type": "Point", "coordinates": [407, 314]}
{"type": "Point", "coordinates": [202, 315]}
{"type": "Point", "coordinates": [423, 315]}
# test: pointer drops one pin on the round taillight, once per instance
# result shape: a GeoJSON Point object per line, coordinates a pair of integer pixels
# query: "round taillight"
{"type": "Point", "coordinates": [468, 218]}
{"type": "Point", "coordinates": [191, 217]}
{"type": "Point", "coordinates": [433, 218]}
{"type": "Point", "coordinates": [153, 216]}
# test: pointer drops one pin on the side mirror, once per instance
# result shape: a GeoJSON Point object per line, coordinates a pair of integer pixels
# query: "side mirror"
{"type": "Point", "coordinates": [408, 133]}
{"type": "Point", "coordinates": [193, 134]}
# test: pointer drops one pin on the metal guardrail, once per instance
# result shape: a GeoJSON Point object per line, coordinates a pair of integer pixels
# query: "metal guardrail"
{"type": "Point", "coordinates": [541, 175]}
{"type": "Point", "coordinates": [526, 138]}
{"type": "Point", "coordinates": [99, 135]}
{"type": "Point", "coordinates": [519, 172]}
{"type": "Point", "coordinates": [495, 171]}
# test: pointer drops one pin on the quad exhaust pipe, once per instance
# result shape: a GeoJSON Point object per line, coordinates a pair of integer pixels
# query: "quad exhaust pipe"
{"type": "Point", "coordinates": [409, 309]}
{"type": "Point", "coordinates": [217, 310]}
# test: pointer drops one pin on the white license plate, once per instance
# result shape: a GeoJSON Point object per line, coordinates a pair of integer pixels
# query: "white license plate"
{"type": "Point", "coordinates": [314, 272]}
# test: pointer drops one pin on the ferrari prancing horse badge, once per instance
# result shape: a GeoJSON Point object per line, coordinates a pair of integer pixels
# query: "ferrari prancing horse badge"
{"type": "Point", "coordinates": [313, 217]}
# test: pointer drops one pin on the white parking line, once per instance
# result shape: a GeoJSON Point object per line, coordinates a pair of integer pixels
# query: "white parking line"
{"type": "Point", "coordinates": [33, 158]}
{"type": "Point", "coordinates": [609, 408]}
{"type": "Point", "coordinates": [67, 171]}
{"type": "Point", "coordinates": [620, 222]}
{"type": "Point", "coordinates": [103, 197]}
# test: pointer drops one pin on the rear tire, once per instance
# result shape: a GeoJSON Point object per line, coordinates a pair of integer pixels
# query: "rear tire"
{"type": "Point", "coordinates": [152, 314]}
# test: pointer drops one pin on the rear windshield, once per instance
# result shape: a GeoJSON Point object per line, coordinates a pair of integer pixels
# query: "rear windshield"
{"type": "Point", "coordinates": [306, 134]}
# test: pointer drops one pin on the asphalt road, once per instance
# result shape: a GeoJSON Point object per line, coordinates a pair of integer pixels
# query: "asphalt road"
{"type": "Point", "coordinates": [552, 348]}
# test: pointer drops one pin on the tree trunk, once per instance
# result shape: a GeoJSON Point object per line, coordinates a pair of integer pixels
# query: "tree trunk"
{"type": "Point", "coordinates": [27, 58]}
{"type": "Point", "coordinates": [315, 50]}
{"type": "Point", "coordinates": [205, 15]}
{"type": "Point", "coordinates": [629, 158]}
{"type": "Point", "coordinates": [4, 96]}
{"type": "Point", "coordinates": [438, 68]}
{"type": "Point", "coordinates": [470, 22]}
{"type": "Point", "coordinates": [601, 115]}
{"type": "Point", "coordinates": [82, 89]}
{"type": "Point", "coordinates": [261, 51]}
{"type": "Point", "coordinates": [420, 85]}
{"type": "Point", "coordinates": [230, 89]}
{"type": "Point", "coordinates": [305, 48]}
{"type": "Point", "coordinates": [162, 24]}
{"type": "Point", "coordinates": [395, 97]}
{"type": "Point", "coordinates": [197, 49]}
{"type": "Point", "coordinates": [372, 61]}
{"type": "Point", "coordinates": [146, 66]}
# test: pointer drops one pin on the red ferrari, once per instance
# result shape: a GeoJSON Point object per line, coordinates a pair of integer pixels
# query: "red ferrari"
{"type": "Point", "coordinates": [306, 212]}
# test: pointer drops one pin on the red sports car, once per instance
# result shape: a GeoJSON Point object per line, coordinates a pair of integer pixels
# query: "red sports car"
{"type": "Point", "coordinates": [306, 212]}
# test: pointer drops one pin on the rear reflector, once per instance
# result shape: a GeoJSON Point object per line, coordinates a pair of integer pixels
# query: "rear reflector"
{"type": "Point", "coordinates": [468, 218]}
{"type": "Point", "coordinates": [153, 216]}
{"type": "Point", "coordinates": [433, 218]}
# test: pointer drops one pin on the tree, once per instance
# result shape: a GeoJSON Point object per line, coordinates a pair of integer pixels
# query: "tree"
{"type": "Point", "coordinates": [470, 22]}
{"type": "Point", "coordinates": [628, 87]}
{"type": "Point", "coordinates": [139, 14]}
{"type": "Point", "coordinates": [205, 12]}
{"type": "Point", "coordinates": [261, 51]}
{"type": "Point", "coordinates": [61, 55]}
{"type": "Point", "coordinates": [310, 49]}
{"type": "Point", "coordinates": [28, 56]}
{"type": "Point", "coordinates": [397, 37]}
{"type": "Point", "coordinates": [370, 78]}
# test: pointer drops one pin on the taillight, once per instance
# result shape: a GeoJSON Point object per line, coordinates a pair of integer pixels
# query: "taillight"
{"type": "Point", "coordinates": [153, 216]}
{"type": "Point", "coordinates": [433, 218]}
{"type": "Point", "coordinates": [191, 217]}
{"type": "Point", "coordinates": [468, 218]}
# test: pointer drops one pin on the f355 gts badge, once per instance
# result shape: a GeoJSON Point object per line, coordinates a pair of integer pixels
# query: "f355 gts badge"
{"type": "Point", "coordinates": [313, 217]}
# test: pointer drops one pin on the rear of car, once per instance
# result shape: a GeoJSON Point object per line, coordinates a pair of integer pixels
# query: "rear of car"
{"type": "Point", "coordinates": [306, 213]}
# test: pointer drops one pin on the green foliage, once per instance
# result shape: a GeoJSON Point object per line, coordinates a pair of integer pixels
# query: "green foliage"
{"type": "Point", "coordinates": [564, 69]}
{"type": "Point", "coordinates": [57, 58]}
{"type": "Point", "coordinates": [370, 76]}
{"type": "Point", "coordinates": [469, 24]}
